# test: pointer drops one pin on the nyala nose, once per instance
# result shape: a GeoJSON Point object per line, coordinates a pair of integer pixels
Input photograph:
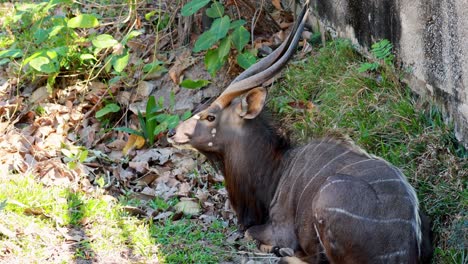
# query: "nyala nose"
{"type": "Point", "coordinates": [171, 132]}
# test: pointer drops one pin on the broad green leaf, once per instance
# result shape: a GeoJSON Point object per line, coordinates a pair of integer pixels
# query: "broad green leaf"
{"type": "Point", "coordinates": [159, 117]}
{"type": "Point", "coordinates": [104, 41]}
{"type": "Point", "coordinates": [186, 115]}
{"type": "Point", "coordinates": [130, 36]}
{"type": "Point", "coordinates": [55, 30]}
{"type": "Point", "coordinates": [87, 56]}
{"type": "Point", "coordinates": [43, 64]}
{"type": "Point", "coordinates": [11, 53]}
{"type": "Point", "coordinates": [52, 54]}
{"type": "Point", "coordinates": [62, 51]}
{"type": "Point", "coordinates": [83, 21]}
{"type": "Point", "coordinates": [151, 107]}
{"type": "Point", "coordinates": [40, 35]}
{"type": "Point", "coordinates": [240, 37]}
{"type": "Point", "coordinates": [155, 66]}
{"type": "Point", "coordinates": [237, 23]}
{"type": "Point", "coordinates": [205, 41]}
{"type": "Point", "coordinates": [109, 108]}
{"type": "Point", "coordinates": [216, 10]}
{"type": "Point", "coordinates": [193, 6]}
{"type": "Point", "coordinates": [194, 84]}
{"type": "Point", "coordinates": [246, 59]}
{"type": "Point", "coordinates": [220, 27]}
{"type": "Point", "coordinates": [172, 121]}
{"type": "Point", "coordinates": [160, 128]}
{"type": "Point", "coordinates": [213, 62]}
{"type": "Point", "coordinates": [121, 61]}
{"type": "Point", "coordinates": [4, 61]}
{"type": "Point", "coordinates": [83, 155]}
{"type": "Point", "coordinates": [149, 15]}
{"type": "Point", "coordinates": [224, 47]}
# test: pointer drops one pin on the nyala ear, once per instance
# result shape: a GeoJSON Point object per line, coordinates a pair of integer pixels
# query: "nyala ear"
{"type": "Point", "coordinates": [252, 103]}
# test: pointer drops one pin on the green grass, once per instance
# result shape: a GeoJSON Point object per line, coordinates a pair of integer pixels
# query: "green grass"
{"type": "Point", "coordinates": [45, 218]}
{"type": "Point", "coordinates": [187, 242]}
{"type": "Point", "coordinates": [384, 118]}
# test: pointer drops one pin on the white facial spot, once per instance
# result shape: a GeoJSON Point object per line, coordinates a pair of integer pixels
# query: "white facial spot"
{"type": "Point", "coordinates": [213, 131]}
{"type": "Point", "coordinates": [197, 117]}
{"type": "Point", "coordinates": [210, 144]}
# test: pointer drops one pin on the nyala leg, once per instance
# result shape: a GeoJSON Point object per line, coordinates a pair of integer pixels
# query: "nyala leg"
{"type": "Point", "coordinates": [263, 234]}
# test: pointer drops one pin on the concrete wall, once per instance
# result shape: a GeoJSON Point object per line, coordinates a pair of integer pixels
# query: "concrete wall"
{"type": "Point", "coordinates": [430, 39]}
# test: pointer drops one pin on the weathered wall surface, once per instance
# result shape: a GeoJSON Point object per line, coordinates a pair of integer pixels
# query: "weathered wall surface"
{"type": "Point", "coordinates": [430, 39]}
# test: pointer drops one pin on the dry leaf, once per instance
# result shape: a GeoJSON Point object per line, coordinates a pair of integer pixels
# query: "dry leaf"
{"type": "Point", "coordinates": [146, 180]}
{"type": "Point", "coordinates": [183, 61]}
{"type": "Point", "coordinates": [277, 4]}
{"type": "Point", "coordinates": [134, 142]}
{"type": "Point", "coordinates": [188, 207]}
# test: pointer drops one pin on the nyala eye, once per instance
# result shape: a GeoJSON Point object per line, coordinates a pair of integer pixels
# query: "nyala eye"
{"type": "Point", "coordinates": [210, 118]}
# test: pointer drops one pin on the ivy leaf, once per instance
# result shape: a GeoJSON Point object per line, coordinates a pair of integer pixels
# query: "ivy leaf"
{"type": "Point", "coordinates": [213, 61]}
{"type": "Point", "coordinates": [220, 27]}
{"type": "Point", "coordinates": [205, 41]}
{"type": "Point", "coordinates": [121, 61]}
{"type": "Point", "coordinates": [194, 84]}
{"type": "Point", "coordinates": [109, 108]}
{"type": "Point", "coordinates": [245, 60]}
{"type": "Point", "coordinates": [104, 41]}
{"type": "Point", "coordinates": [216, 10]}
{"type": "Point", "coordinates": [193, 6]}
{"type": "Point", "coordinates": [83, 21]}
{"type": "Point", "coordinates": [240, 37]}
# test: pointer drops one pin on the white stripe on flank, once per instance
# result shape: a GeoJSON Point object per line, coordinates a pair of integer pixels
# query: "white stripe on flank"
{"type": "Point", "coordinates": [386, 180]}
{"type": "Point", "coordinates": [320, 240]}
{"type": "Point", "coordinates": [288, 172]}
{"type": "Point", "coordinates": [332, 182]}
{"type": "Point", "coordinates": [393, 254]}
{"type": "Point", "coordinates": [303, 169]}
{"type": "Point", "coordinates": [307, 185]}
{"type": "Point", "coordinates": [357, 162]}
{"type": "Point", "coordinates": [374, 220]}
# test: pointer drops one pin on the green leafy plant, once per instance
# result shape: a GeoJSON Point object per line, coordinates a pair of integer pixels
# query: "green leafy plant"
{"type": "Point", "coordinates": [50, 44]}
{"type": "Point", "coordinates": [194, 84]}
{"type": "Point", "coordinates": [156, 120]}
{"type": "Point", "coordinates": [222, 35]}
{"type": "Point", "coordinates": [382, 51]}
{"type": "Point", "coordinates": [74, 156]}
